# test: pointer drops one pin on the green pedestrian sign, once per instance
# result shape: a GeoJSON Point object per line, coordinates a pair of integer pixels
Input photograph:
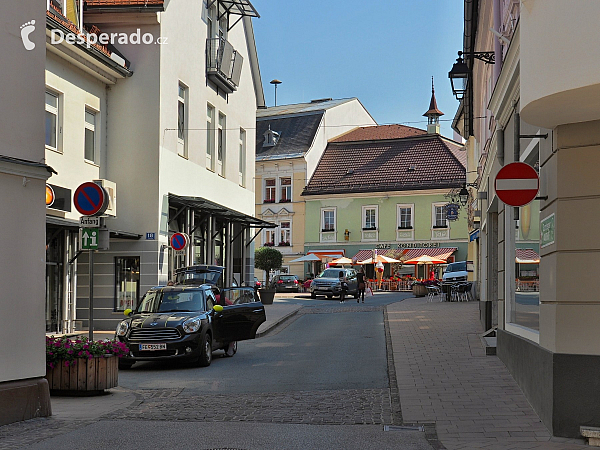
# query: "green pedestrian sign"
{"type": "Point", "coordinates": [89, 238]}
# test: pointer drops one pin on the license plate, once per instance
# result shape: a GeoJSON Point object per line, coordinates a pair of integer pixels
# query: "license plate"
{"type": "Point", "coordinates": [146, 347]}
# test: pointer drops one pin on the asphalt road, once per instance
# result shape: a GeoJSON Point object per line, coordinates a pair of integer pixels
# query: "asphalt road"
{"type": "Point", "coordinates": [319, 381]}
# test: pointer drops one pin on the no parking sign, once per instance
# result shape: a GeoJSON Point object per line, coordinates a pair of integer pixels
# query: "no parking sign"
{"type": "Point", "coordinates": [179, 242]}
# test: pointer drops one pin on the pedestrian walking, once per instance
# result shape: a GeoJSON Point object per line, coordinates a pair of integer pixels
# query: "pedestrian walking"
{"type": "Point", "coordinates": [343, 286]}
{"type": "Point", "coordinates": [360, 279]}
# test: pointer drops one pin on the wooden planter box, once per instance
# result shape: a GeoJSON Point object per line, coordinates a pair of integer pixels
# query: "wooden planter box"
{"type": "Point", "coordinates": [87, 377]}
{"type": "Point", "coordinates": [419, 290]}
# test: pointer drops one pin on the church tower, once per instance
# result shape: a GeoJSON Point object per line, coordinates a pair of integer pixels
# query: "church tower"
{"type": "Point", "coordinates": [433, 115]}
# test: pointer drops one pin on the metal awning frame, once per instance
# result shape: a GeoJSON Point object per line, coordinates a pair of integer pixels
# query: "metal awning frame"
{"type": "Point", "coordinates": [238, 7]}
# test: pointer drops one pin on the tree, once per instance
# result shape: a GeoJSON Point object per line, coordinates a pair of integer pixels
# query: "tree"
{"type": "Point", "coordinates": [267, 259]}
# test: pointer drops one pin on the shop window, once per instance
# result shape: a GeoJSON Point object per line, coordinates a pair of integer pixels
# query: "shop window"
{"type": "Point", "coordinates": [127, 282]}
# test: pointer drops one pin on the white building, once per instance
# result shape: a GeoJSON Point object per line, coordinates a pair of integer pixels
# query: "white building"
{"type": "Point", "coordinates": [290, 140]}
{"type": "Point", "coordinates": [172, 107]}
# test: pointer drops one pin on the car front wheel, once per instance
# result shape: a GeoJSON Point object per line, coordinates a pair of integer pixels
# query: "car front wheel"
{"type": "Point", "coordinates": [205, 357]}
{"type": "Point", "coordinates": [231, 349]}
{"type": "Point", "coordinates": [313, 295]}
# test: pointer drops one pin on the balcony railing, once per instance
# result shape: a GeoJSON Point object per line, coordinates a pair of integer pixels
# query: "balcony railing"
{"type": "Point", "coordinates": [223, 64]}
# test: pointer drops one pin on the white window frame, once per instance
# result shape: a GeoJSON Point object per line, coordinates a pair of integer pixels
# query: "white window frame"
{"type": "Point", "coordinates": [281, 231]}
{"type": "Point", "coordinates": [287, 188]}
{"type": "Point", "coordinates": [267, 189]}
{"type": "Point", "coordinates": [56, 111]}
{"type": "Point", "coordinates": [402, 234]}
{"type": "Point", "coordinates": [182, 133]}
{"type": "Point", "coordinates": [210, 137]}
{"type": "Point", "coordinates": [329, 235]}
{"type": "Point", "coordinates": [434, 207]}
{"type": "Point", "coordinates": [94, 128]}
{"type": "Point", "coordinates": [242, 162]}
{"type": "Point", "coordinates": [221, 144]}
{"type": "Point", "coordinates": [268, 233]}
{"type": "Point", "coordinates": [364, 216]}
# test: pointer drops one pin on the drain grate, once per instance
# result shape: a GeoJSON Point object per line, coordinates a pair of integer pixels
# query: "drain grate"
{"type": "Point", "coordinates": [401, 428]}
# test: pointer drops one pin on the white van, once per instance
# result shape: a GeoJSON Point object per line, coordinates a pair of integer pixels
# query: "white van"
{"type": "Point", "coordinates": [455, 272]}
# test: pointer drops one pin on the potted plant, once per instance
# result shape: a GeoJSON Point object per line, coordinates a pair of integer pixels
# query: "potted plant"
{"type": "Point", "coordinates": [78, 366]}
{"type": "Point", "coordinates": [267, 259]}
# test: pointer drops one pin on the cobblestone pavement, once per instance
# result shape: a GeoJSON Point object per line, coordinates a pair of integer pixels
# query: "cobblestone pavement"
{"type": "Point", "coordinates": [331, 407]}
{"type": "Point", "coordinates": [444, 377]}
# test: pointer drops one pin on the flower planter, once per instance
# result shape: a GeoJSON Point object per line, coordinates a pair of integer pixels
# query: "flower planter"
{"type": "Point", "coordinates": [266, 296]}
{"type": "Point", "coordinates": [419, 290]}
{"type": "Point", "coordinates": [86, 377]}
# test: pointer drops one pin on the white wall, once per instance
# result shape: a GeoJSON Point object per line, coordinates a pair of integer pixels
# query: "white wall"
{"type": "Point", "coordinates": [336, 121]}
{"type": "Point", "coordinates": [22, 222]}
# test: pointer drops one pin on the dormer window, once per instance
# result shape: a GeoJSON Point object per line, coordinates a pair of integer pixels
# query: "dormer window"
{"type": "Point", "coordinates": [271, 138]}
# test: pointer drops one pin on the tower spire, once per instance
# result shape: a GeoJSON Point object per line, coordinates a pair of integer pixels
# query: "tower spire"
{"type": "Point", "coordinates": [433, 114]}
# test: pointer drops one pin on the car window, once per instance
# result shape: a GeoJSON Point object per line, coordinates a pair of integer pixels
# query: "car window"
{"type": "Point", "coordinates": [287, 277]}
{"type": "Point", "coordinates": [457, 267]}
{"type": "Point", "coordinates": [330, 273]}
{"type": "Point", "coordinates": [169, 301]}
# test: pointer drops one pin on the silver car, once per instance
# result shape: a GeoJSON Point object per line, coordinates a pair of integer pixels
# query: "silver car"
{"type": "Point", "coordinates": [328, 283]}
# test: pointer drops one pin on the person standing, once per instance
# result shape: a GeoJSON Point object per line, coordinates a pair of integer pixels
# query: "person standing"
{"type": "Point", "coordinates": [360, 279]}
{"type": "Point", "coordinates": [343, 286]}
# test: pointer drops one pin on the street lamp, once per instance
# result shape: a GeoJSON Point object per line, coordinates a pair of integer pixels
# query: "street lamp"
{"type": "Point", "coordinates": [463, 195]}
{"type": "Point", "coordinates": [275, 82]}
{"type": "Point", "coordinates": [461, 71]}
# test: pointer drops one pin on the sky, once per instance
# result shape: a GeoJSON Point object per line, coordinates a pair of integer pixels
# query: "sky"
{"type": "Point", "coordinates": [384, 52]}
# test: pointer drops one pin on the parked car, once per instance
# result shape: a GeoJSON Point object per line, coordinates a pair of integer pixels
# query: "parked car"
{"type": "Point", "coordinates": [328, 283]}
{"type": "Point", "coordinates": [285, 283]}
{"type": "Point", "coordinates": [189, 323]}
{"type": "Point", "coordinates": [455, 272]}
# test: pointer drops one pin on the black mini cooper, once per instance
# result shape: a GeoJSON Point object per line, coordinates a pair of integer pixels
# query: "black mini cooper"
{"type": "Point", "coordinates": [189, 322]}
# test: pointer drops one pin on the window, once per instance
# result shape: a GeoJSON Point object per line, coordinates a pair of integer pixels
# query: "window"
{"type": "Point", "coordinates": [286, 233]}
{"type": "Point", "coordinates": [90, 136]}
{"type": "Point", "coordinates": [286, 189]}
{"type": "Point", "coordinates": [269, 237]}
{"type": "Point", "coordinates": [210, 137]}
{"type": "Point", "coordinates": [182, 120]}
{"type": "Point", "coordinates": [369, 217]}
{"type": "Point", "coordinates": [270, 190]}
{"type": "Point", "coordinates": [242, 164]}
{"type": "Point", "coordinates": [127, 282]}
{"type": "Point", "coordinates": [439, 218]}
{"type": "Point", "coordinates": [221, 145]}
{"type": "Point", "coordinates": [328, 220]}
{"type": "Point", "coordinates": [405, 216]}
{"type": "Point", "coordinates": [52, 122]}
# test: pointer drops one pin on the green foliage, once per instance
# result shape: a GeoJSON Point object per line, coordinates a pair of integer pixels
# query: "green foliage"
{"type": "Point", "coordinates": [267, 259]}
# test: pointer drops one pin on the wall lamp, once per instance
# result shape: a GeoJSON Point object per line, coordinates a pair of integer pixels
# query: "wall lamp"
{"type": "Point", "coordinates": [463, 194]}
{"type": "Point", "coordinates": [460, 72]}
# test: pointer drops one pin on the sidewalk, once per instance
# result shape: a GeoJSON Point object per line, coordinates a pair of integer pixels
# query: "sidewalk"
{"type": "Point", "coordinates": [445, 378]}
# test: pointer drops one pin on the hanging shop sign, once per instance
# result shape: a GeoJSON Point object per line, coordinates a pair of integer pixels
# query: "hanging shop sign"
{"type": "Point", "coordinates": [452, 210]}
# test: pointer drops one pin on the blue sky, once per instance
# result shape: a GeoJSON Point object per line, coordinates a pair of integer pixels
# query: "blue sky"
{"type": "Point", "coordinates": [383, 52]}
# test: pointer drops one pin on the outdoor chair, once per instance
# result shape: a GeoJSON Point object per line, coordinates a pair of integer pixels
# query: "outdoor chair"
{"type": "Point", "coordinates": [461, 292]}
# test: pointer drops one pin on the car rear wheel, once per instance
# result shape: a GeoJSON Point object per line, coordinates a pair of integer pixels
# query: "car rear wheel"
{"type": "Point", "coordinates": [329, 296]}
{"type": "Point", "coordinates": [205, 357]}
{"type": "Point", "coordinates": [125, 365]}
{"type": "Point", "coordinates": [231, 349]}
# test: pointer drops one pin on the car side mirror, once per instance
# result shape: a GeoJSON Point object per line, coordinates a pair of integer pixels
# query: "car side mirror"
{"type": "Point", "coordinates": [218, 308]}
{"type": "Point", "coordinates": [128, 312]}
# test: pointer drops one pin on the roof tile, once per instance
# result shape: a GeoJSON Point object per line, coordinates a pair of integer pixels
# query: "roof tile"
{"type": "Point", "coordinates": [379, 132]}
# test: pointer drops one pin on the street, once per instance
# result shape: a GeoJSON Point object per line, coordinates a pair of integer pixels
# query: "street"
{"type": "Point", "coordinates": [319, 380]}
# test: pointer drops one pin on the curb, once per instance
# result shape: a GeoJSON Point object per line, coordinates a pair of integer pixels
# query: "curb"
{"type": "Point", "coordinates": [277, 323]}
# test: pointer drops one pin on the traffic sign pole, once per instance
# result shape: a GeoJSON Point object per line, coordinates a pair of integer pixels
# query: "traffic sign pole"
{"type": "Point", "coordinates": [91, 321]}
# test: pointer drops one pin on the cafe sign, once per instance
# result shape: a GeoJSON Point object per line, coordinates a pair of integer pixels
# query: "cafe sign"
{"type": "Point", "coordinates": [409, 245]}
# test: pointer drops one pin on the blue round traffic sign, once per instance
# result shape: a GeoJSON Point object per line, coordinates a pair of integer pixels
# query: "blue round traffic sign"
{"type": "Point", "coordinates": [90, 199]}
{"type": "Point", "coordinates": [179, 241]}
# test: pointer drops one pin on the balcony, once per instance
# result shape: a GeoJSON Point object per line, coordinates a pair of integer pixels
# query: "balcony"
{"type": "Point", "coordinates": [223, 64]}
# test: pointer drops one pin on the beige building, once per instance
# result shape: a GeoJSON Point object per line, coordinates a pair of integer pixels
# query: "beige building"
{"type": "Point", "coordinates": [24, 391]}
{"type": "Point", "coordinates": [536, 104]}
{"type": "Point", "coordinates": [290, 140]}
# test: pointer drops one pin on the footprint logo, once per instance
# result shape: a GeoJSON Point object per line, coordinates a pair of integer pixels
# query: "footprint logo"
{"type": "Point", "coordinates": [26, 29]}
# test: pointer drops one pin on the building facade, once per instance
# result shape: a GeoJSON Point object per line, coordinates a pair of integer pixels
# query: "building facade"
{"type": "Point", "coordinates": [385, 189]}
{"type": "Point", "coordinates": [536, 262]}
{"type": "Point", "coordinates": [290, 140]}
{"type": "Point", "coordinates": [173, 133]}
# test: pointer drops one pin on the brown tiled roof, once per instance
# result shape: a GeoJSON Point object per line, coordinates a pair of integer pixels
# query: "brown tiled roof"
{"type": "Point", "coordinates": [417, 163]}
{"type": "Point", "coordinates": [138, 3]}
{"type": "Point", "coordinates": [378, 132]}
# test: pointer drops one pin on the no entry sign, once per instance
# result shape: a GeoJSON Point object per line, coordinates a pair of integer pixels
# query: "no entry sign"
{"type": "Point", "coordinates": [90, 199]}
{"type": "Point", "coordinates": [517, 184]}
{"type": "Point", "coordinates": [179, 241]}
